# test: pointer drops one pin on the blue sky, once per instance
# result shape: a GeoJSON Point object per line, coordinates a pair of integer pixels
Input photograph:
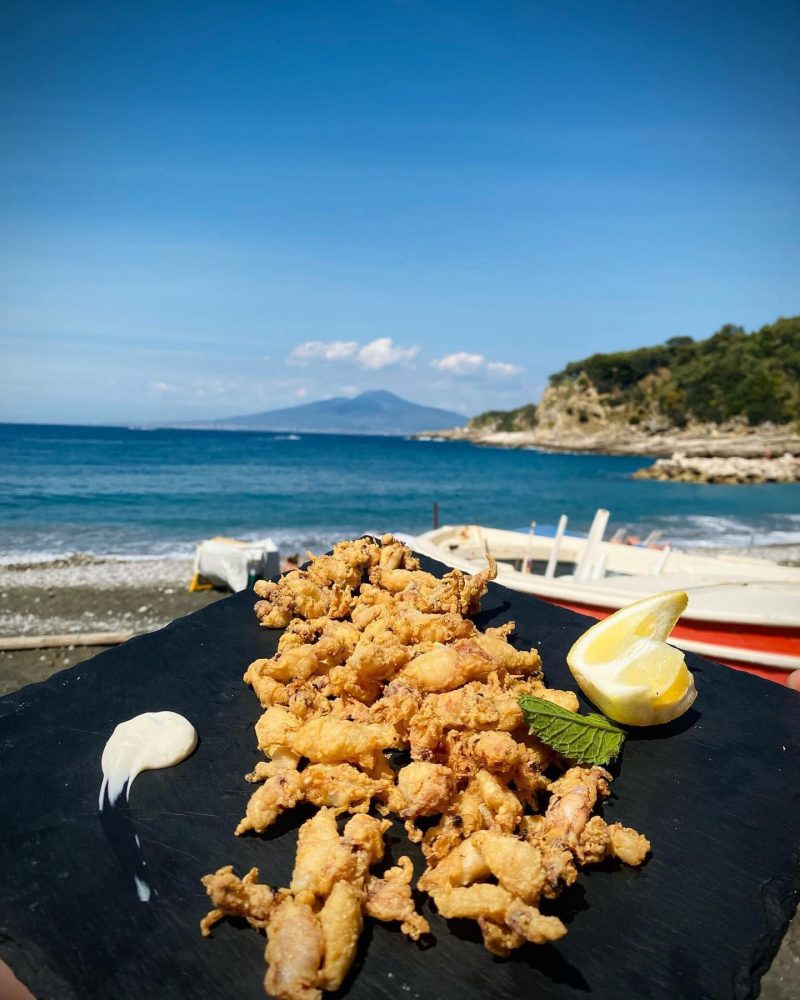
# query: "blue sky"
{"type": "Point", "coordinates": [213, 208]}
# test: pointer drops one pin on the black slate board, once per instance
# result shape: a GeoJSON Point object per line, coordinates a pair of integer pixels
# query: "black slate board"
{"type": "Point", "coordinates": [717, 793]}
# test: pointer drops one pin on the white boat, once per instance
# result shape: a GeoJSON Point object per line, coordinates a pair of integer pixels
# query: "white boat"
{"type": "Point", "coordinates": [742, 611]}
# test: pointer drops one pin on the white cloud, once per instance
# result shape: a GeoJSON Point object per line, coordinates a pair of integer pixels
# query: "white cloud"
{"type": "Point", "coordinates": [322, 350]}
{"type": "Point", "coordinates": [382, 352]}
{"type": "Point", "coordinates": [460, 363]}
{"type": "Point", "coordinates": [301, 392]}
{"type": "Point", "coordinates": [373, 356]}
{"type": "Point", "coordinates": [463, 363]}
{"type": "Point", "coordinates": [502, 369]}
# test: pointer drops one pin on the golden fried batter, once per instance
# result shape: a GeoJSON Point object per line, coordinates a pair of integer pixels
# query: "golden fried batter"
{"type": "Point", "coordinates": [378, 655]}
{"type": "Point", "coordinates": [325, 588]}
{"type": "Point", "coordinates": [373, 662]}
{"type": "Point", "coordinates": [572, 798]}
{"type": "Point", "coordinates": [313, 927]}
{"type": "Point", "coordinates": [299, 657]}
{"type": "Point", "coordinates": [447, 667]}
{"type": "Point", "coordinates": [340, 787]}
{"type": "Point", "coordinates": [341, 921]}
{"type": "Point", "coordinates": [294, 952]}
{"type": "Point", "coordinates": [422, 790]}
{"type": "Point", "coordinates": [389, 898]}
{"type": "Point", "coordinates": [328, 740]}
{"type": "Point", "coordinates": [232, 896]}
{"type": "Point", "coordinates": [454, 592]}
{"type": "Point", "coordinates": [506, 910]}
{"type": "Point", "coordinates": [297, 596]}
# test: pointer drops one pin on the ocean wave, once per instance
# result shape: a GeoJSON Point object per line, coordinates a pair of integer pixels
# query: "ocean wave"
{"type": "Point", "coordinates": [697, 532]}
{"type": "Point", "coordinates": [712, 531]}
{"type": "Point", "coordinates": [290, 541]}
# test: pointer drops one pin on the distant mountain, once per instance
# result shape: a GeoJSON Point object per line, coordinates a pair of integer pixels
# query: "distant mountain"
{"type": "Point", "coordinates": [377, 412]}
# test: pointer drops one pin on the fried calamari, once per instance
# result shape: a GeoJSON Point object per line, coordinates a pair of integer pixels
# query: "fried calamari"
{"type": "Point", "coordinates": [379, 656]}
{"type": "Point", "coordinates": [313, 927]}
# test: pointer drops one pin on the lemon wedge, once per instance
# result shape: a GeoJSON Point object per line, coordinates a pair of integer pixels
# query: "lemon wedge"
{"type": "Point", "coordinates": [624, 665]}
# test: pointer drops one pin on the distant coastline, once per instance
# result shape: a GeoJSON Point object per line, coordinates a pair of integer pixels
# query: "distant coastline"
{"type": "Point", "coordinates": [705, 441]}
{"type": "Point", "coordinates": [375, 412]}
{"type": "Point", "coordinates": [734, 396]}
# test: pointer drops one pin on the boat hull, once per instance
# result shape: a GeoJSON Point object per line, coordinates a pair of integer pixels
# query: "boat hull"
{"type": "Point", "coordinates": [742, 612]}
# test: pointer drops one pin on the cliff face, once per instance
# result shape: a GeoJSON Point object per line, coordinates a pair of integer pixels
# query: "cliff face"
{"type": "Point", "coordinates": [499, 421]}
{"type": "Point", "coordinates": [576, 417]}
{"type": "Point", "coordinates": [732, 394]}
{"type": "Point", "coordinates": [577, 411]}
{"type": "Point", "coordinates": [579, 408]}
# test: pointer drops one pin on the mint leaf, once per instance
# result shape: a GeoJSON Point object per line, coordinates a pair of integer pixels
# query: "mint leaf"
{"type": "Point", "coordinates": [588, 739]}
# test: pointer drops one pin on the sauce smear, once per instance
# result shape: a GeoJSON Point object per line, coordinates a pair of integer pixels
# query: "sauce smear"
{"type": "Point", "coordinates": [145, 743]}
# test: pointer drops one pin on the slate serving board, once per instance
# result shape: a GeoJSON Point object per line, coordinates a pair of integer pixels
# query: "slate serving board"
{"type": "Point", "coordinates": [717, 793]}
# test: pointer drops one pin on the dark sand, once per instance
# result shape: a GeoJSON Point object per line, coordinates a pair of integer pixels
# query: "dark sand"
{"type": "Point", "coordinates": [136, 609]}
{"type": "Point", "coordinates": [90, 595]}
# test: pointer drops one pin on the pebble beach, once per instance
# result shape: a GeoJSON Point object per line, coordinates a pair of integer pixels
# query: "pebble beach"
{"type": "Point", "coordinates": [86, 594]}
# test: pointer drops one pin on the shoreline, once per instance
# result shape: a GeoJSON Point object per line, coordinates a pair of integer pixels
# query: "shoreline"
{"type": "Point", "coordinates": [93, 594]}
{"type": "Point", "coordinates": [98, 596]}
{"type": "Point", "coordinates": [700, 442]}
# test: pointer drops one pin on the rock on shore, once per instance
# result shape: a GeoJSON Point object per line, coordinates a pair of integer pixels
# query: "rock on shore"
{"type": "Point", "coordinates": [701, 440]}
{"type": "Point", "coordinates": [685, 468]}
{"type": "Point", "coordinates": [576, 417]}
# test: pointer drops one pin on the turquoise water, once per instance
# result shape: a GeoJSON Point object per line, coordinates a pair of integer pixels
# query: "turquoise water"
{"type": "Point", "coordinates": [117, 490]}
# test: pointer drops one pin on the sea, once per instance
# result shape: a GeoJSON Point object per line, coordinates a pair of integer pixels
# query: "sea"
{"type": "Point", "coordinates": [142, 493]}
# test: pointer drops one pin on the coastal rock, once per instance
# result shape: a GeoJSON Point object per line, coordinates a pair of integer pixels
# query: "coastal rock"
{"type": "Point", "coordinates": [734, 394]}
{"type": "Point", "coordinates": [697, 440]}
{"type": "Point", "coordinates": [574, 416]}
{"type": "Point", "coordinates": [685, 468]}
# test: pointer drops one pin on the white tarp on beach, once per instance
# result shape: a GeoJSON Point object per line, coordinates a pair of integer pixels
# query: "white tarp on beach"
{"type": "Point", "coordinates": [227, 562]}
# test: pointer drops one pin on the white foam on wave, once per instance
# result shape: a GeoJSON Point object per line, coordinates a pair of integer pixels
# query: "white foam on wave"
{"type": "Point", "coordinates": [712, 531]}
{"type": "Point", "coordinates": [684, 531]}
{"type": "Point", "coordinates": [36, 557]}
{"type": "Point", "coordinates": [289, 541]}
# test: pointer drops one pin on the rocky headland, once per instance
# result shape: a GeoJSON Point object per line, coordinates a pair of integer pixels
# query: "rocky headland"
{"type": "Point", "coordinates": [734, 396]}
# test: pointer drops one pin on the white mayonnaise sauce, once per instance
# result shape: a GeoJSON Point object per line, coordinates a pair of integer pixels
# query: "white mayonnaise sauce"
{"type": "Point", "coordinates": [144, 743]}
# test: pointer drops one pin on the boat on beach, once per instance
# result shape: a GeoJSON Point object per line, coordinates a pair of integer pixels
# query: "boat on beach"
{"type": "Point", "coordinates": [743, 612]}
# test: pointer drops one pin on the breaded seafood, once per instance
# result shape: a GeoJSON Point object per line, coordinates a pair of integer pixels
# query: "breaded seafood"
{"type": "Point", "coordinates": [385, 700]}
{"type": "Point", "coordinates": [326, 586]}
{"type": "Point", "coordinates": [313, 927]}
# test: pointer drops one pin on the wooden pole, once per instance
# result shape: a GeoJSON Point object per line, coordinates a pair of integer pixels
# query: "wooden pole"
{"type": "Point", "coordinates": [12, 642]}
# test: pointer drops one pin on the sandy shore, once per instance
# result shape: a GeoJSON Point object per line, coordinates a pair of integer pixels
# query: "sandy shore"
{"type": "Point", "coordinates": [87, 594]}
